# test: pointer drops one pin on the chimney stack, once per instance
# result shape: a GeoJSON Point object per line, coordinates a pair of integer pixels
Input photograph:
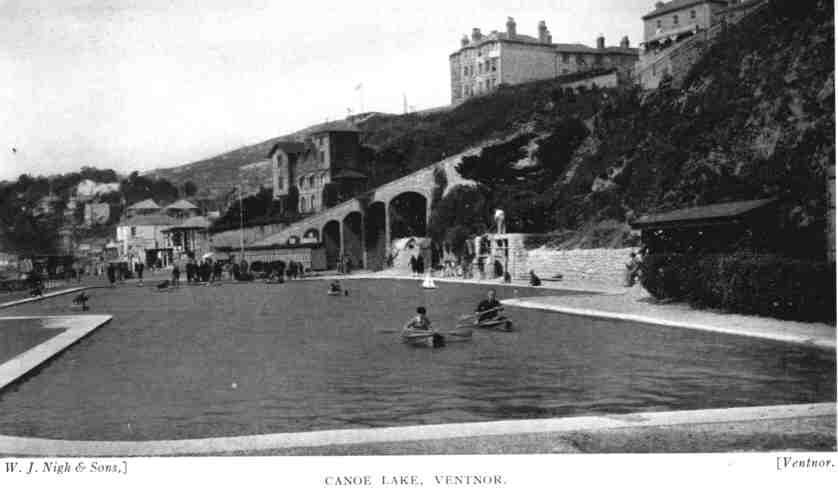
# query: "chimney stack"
{"type": "Point", "coordinates": [510, 26]}
{"type": "Point", "coordinates": [464, 41]}
{"type": "Point", "coordinates": [543, 33]}
{"type": "Point", "coordinates": [624, 43]}
{"type": "Point", "coordinates": [476, 35]}
{"type": "Point", "coordinates": [659, 5]}
{"type": "Point", "coordinates": [600, 42]}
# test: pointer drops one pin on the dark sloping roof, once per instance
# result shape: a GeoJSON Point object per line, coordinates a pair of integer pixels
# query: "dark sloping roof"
{"type": "Point", "coordinates": [289, 147]}
{"type": "Point", "coordinates": [348, 173]}
{"type": "Point", "coordinates": [144, 204]}
{"type": "Point", "coordinates": [149, 220]}
{"type": "Point", "coordinates": [727, 210]}
{"type": "Point", "coordinates": [678, 5]}
{"type": "Point", "coordinates": [182, 205]}
{"type": "Point", "coordinates": [197, 222]}
{"type": "Point", "coordinates": [608, 50]}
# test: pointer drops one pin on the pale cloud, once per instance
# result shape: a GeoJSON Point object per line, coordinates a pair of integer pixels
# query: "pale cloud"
{"type": "Point", "coordinates": [145, 84]}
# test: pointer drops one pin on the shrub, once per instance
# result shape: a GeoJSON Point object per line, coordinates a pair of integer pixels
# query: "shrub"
{"type": "Point", "coordinates": [759, 284]}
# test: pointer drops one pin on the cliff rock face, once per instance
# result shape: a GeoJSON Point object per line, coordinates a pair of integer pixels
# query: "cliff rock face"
{"type": "Point", "coordinates": [754, 118]}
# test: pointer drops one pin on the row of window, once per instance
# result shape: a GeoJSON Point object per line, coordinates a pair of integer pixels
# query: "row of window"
{"type": "Point", "coordinates": [490, 65]}
{"type": "Point", "coordinates": [480, 87]}
{"type": "Point", "coordinates": [675, 19]}
{"type": "Point", "coordinates": [311, 181]}
{"type": "Point", "coordinates": [309, 203]}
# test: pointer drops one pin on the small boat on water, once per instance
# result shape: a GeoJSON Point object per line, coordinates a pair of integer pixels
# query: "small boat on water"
{"type": "Point", "coordinates": [423, 338]}
{"type": "Point", "coordinates": [500, 324]}
{"type": "Point", "coordinates": [433, 339]}
{"type": "Point", "coordinates": [334, 293]}
{"type": "Point", "coordinates": [428, 283]}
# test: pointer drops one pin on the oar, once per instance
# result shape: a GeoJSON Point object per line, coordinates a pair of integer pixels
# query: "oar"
{"type": "Point", "coordinates": [497, 308]}
{"type": "Point", "coordinates": [462, 332]}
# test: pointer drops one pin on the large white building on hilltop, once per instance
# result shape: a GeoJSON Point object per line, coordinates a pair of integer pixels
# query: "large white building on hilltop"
{"type": "Point", "coordinates": [484, 62]}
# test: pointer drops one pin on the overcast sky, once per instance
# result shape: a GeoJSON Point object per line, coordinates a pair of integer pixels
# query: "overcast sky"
{"type": "Point", "coordinates": [142, 84]}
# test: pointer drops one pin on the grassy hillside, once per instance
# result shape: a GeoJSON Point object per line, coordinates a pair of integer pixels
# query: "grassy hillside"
{"type": "Point", "coordinates": [754, 119]}
{"type": "Point", "coordinates": [396, 144]}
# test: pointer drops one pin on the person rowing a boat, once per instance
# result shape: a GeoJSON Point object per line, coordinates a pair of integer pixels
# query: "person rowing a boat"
{"type": "Point", "coordinates": [419, 322]}
{"type": "Point", "coordinates": [489, 308]}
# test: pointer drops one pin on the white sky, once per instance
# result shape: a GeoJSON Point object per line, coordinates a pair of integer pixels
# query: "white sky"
{"type": "Point", "coordinates": [142, 84]}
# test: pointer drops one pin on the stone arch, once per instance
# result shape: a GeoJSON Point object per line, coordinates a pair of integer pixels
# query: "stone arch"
{"type": "Point", "coordinates": [353, 236]}
{"type": "Point", "coordinates": [408, 213]}
{"type": "Point", "coordinates": [312, 235]}
{"type": "Point", "coordinates": [331, 242]}
{"type": "Point", "coordinates": [375, 236]}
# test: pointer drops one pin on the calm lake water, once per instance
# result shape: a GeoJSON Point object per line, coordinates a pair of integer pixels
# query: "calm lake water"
{"type": "Point", "coordinates": [255, 358]}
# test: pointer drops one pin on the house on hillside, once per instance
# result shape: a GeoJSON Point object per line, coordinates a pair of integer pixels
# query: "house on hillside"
{"type": "Point", "coordinates": [96, 213]}
{"type": "Point", "coordinates": [144, 207]}
{"type": "Point", "coordinates": [329, 156]}
{"type": "Point", "coordinates": [140, 238]}
{"type": "Point", "coordinates": [484, 62]}
{"type": "Point", "coordinates": [182, 209]}
{"type": "Point", "coordinates": [145, 235]}
{"type": "Point", "coordinates": [675, 32]}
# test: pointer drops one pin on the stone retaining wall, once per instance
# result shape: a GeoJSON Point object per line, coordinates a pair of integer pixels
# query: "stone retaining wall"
{"type": "Point", "coordinates": [604, 265]}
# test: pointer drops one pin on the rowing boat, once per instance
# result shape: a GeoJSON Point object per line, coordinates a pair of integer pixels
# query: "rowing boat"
{"type": "Point", "coordinates": [423, 338]}
{"type": "Point", "coordinates": [501, 324]}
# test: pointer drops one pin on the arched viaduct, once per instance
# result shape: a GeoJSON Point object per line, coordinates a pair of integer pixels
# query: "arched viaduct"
{"type": "Point", "coordinates": [363, 227]}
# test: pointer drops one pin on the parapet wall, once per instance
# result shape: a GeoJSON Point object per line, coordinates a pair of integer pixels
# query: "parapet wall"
{"type": "Point", "coordinates": [601, 265]}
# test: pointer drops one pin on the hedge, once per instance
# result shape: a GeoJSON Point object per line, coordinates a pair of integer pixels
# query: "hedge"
{"type": "Point", "coordinates": [759, 284]}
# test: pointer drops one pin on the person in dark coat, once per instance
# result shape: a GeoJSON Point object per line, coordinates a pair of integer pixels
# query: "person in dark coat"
{"type": "Point", "coordinates": [420, 265]}
{"type": "Point", "coordinates": [111, 270]}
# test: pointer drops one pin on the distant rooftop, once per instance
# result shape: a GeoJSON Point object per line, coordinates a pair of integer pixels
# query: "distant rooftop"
{"type": "Point", "coordinates": [183, 205]}
{"type": "Point", "coordinates": [714, 212]}
{"type": "Point", "coordinates": [662, 8]}
{"type": "Point", "coordinates": [146, 204]}
{"type": "Point", "coordinates": [150, 220]}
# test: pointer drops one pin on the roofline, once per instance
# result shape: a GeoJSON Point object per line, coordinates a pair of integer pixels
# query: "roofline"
{"type": "Point", "coordinates": [555, 47]}
{"type": "Point", "coordinates": [639, 223]}
{"type": "Point", "coordinates": [665, 10]}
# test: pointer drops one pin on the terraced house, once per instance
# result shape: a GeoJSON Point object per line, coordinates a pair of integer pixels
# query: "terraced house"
{"type": "Point", "coordinates": [484, 62]}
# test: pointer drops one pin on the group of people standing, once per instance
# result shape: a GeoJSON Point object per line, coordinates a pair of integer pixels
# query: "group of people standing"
{"type": "Point", "coordinates": [417, 265]}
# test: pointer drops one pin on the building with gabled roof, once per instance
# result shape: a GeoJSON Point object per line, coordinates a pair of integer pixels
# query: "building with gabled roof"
{"type": "Point", "coordinates": [331, 154]}
{"type": "Point", "coordinates": [484, 62]}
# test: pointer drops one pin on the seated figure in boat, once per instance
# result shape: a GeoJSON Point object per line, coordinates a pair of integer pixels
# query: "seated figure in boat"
{"type": "Point", "coordinates": [489, 308]}
{"type": "Point", "coordinates": [420, 321]}
{"type": "Point", "coordinates": [334, 287]}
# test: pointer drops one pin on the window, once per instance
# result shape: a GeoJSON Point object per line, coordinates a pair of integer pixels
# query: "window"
{"type": "Point", "coordinates": [311, 181]}
{"type": "Point", "coordinates": [302, 182]}
{"type": "Point", "coordinates": [322, 157]}
{"type": "Point", "coordinates": [133, 231]}
{"type": "Point", "coordinates": [495, 65]}
{"type": "Point", "coordinates": [659, 23]}
{"type": "Point", "coordinates": [692, 14]}
{"type": "Point", "coordinates": [580, 60]}
{"type": "Point", "coordinates": [675, 19]}
{"type": "Point", "coordinates": [566, 57]}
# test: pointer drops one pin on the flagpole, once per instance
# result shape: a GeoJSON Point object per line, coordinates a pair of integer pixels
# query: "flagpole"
{"type": "Point", "coordinates": [241, 223]}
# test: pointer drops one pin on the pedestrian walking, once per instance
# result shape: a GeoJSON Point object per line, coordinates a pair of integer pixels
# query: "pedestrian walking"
{"type": "Point", "coordinates": [139, 270]}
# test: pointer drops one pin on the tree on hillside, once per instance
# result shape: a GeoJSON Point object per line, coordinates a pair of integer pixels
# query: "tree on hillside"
{"type": "Point", "coordinates": [190, 189]}
{"type": "Point", "coordinates": [464, 212]}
